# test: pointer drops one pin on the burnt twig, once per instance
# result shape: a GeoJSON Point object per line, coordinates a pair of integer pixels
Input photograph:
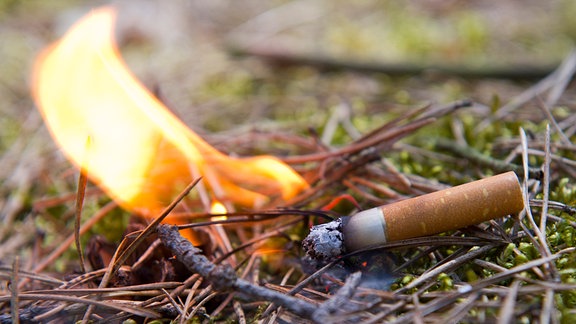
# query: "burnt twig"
{"type": "Point", "coordinates": [222, 277]}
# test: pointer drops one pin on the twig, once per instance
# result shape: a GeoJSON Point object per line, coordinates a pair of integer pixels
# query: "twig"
{"type": "Point", "coordinates": [546, 182]}
{"type": "Point", "coordinates": [150, 228]}
{"type": "Point", "coordinates": [555, 205]}
{"type": "Point", "coordinates": [507, 310]}
{"type": "Point", "coordinates": [363, 143]}
{"type": "Point", "coordinates": [325, 63]}
{"type": "Point", "coordinates": [239, 312]}
{"type": "Point", "coordinates": [296, 289]}
{"type": "Point", "coordinates": [15, 299]}
{"type": "Point", "coordinates": [479, 285]}
{"type": "Point", "coordinates": [332, 307]}
{"type": "Point", "coordinates": [340, 116]}
{"type": "Point", "coordinates": [534, 91]}
{"type": "Point", "coordinates": [565, 74]}
{"type": "Point", "coordinates": [429, 275]}
{"type": "Point", "coordinates": [487, 161]}
{"type": "Point", "coordinates": [563, 137]}
{"type": "Point", "coordinates": [126, 307]}
{"type": "Point", "coordinates": [462, 309]}
{"type": "Point", "coordinates": [223, 278]}
{"type": "Point", "coordinates": [121, 255]}
{"type": "Point", "coordinates": [546, 315]}
{"type": "Point", "coordinates": [544, 249]}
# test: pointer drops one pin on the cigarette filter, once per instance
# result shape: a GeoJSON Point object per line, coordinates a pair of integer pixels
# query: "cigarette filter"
{"type": "Point", "coordinates": [433, 213]}
{"type": "Point", "coordinates": [437, 212]}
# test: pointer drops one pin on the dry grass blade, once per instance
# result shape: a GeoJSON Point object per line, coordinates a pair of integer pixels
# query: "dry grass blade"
{"type": "Point", "coordinates": [15, 299]}
{"type": "Point", "coordinates": [483, 160]}
{"type": "Point", "coordinates": [121, 306]}
{"type": "Point", "coordinates": [114, 291]}
{"type": "Point", "coordinates": [331, 309]}
{"type": "Point", "coordinates": [565, 75]}
{"type": "Point", "coordinates": [546, 182]}
{"type": "Point", "coordinates": [363, 143]}
{"type": "Point", "coordinates": [541, 243]}
{"type": "Point", "coordinates": [547, 314]}
{"type": "Point", "coordinates": [121, 254]}
{"type": "Point", "coordinates": [173, 302]}
{"type": "Point", "coordinates": [150, 229]}
{"type": "Point", "coordinates": [524, 267]}
{"type": "Point", "coordinates": [507, 311]}
{"type": "Point", "coordinates": [6, 273]}
{"type": "Point", "coordinates": [239, 312]}
{"type": "Point", "coordinates": [452, 297]}
{"type": "Point", "coordinates": [224, 278]}
{"type": "Point", "coordinates": [559, 76]}
{"type": "Point", "coordinates": [432, 274]}
{"type": "Point", "coordinates": [199, 305]}
{"type": "Point", "coordinates": [82, 182]}
{"type": "Point", "coordinates": [461, 310]}
{"type": "Point", "coordinates": [565, 140]}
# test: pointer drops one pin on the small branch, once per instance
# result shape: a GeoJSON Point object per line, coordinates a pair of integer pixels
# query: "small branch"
{"type": "Point", "coordinates": [150, 228]}
{"type": "Point", "coordinates": [333, 306]}
{"type": "Point", "coordinates": [326, 63]}
{"type": "Point", "coordinates": [121, 254]}
{"type": "Point", "coordinates": [14, 299]}
{"type": "Point", "coordinates": [223, 278]}
{"type": "Point", "coordinates": [366, 142]}
{"type": "Point", "coordinates": [487, 161]}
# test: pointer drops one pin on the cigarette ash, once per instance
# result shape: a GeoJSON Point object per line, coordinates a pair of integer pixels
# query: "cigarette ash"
{"type": "Point", "coordinates": [325, 241]}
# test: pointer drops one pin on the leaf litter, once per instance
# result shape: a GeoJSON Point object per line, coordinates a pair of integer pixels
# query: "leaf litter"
{"type": "Point", "coordinates": [519, 268]}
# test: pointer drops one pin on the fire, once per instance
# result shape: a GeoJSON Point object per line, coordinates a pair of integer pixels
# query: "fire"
{"type": "Point", "coordinates": [218, 208]}
{"type": "Point", "coordinates": [128, 142]}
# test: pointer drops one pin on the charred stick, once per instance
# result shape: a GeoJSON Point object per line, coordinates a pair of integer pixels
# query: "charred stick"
{"type": "Point", "coordinates": [224, 278]}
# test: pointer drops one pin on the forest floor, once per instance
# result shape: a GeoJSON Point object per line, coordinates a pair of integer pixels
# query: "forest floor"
{"type": "Point", "coordinates": [374, 101]}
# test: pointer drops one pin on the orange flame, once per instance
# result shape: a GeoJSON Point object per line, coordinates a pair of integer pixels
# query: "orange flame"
{"type": "Point", "coordinates": [137, 151]}
{"type": "Point", "coordinates": [218, 208]}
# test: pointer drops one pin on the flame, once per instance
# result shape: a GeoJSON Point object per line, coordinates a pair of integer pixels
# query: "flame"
{"type": "Point", "coordinates": [218, 208]}
{"type": "Point", "coordinates": [106, 122]}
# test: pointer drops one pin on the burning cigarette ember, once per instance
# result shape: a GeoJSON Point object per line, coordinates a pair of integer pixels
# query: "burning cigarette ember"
{"type": "Point", "coordinates": [437, 212]}
{"type": "Point", "coordinates": [127, 141]}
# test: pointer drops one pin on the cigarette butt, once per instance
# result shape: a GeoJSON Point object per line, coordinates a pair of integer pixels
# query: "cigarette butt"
{"type": "Point", "coordinates": [437, 212]}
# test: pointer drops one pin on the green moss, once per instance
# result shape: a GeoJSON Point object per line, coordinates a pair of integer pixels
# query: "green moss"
{"type": "Point", "coordinates": [112, 226]}
{"type": "Point", "coordinates": [470, 274]}
{"type": "Point", "coordinates": [445, 282]}
{"type": "Point", "coordinates": [565, 191]}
